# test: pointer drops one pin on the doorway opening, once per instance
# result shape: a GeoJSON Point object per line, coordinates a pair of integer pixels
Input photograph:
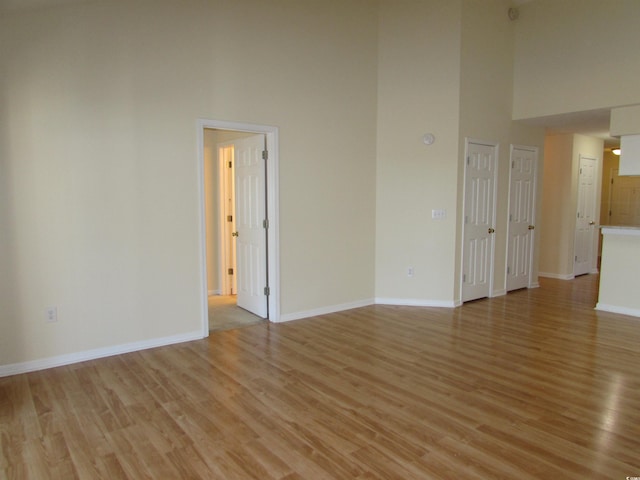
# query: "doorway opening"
{"type": "Point", "coordinates": [239, 217]}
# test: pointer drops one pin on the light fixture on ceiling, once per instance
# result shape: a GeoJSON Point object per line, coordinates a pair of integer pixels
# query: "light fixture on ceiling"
{"type": "Point", "coordinates": [615, 151]}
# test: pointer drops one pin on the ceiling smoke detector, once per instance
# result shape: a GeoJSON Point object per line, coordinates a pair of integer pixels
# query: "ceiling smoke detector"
{"type": "Point", "coordinates": [513, 13]}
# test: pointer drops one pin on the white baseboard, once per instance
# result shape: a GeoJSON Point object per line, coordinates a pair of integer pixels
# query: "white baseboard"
{"type": "Point", "coordinates": [324, 310]}
{"type": "Point", "coordinates": [214, 292]}
{"type": "Point", "coordinates": [499, 293]}
{"type": "Point", "coordinates": [569, 276]}
{"type": "Point", "coordinates": [615, 309]}
{"type": "Point", "coordinates": [413, 302]}
{"type": "Point", "coordinates": [60, 360]}
{"type": "Point", "coordinates": [535, 285]}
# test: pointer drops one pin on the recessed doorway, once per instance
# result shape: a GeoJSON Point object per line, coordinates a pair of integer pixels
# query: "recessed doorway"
{"type": "Point", "coordinates": [240, 271]}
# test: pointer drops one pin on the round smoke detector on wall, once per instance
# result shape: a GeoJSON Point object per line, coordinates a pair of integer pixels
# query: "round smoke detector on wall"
{"type": "Point", "coordinates": [428, 138]}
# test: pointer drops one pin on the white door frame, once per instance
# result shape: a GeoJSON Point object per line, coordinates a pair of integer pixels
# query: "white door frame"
{"type": "Point", "coordinates": [533, 212]}
{"type": "Point", "coordinates": [273, 248]}
{"type": "Point", "coordinates": [494, 200]}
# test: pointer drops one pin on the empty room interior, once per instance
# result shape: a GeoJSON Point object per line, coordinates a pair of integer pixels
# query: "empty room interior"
{"type": "Point", "coordinates": [319, 239]}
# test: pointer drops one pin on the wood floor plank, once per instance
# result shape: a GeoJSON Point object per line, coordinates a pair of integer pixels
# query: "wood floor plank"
{"type": "Point", "coordinates": [535, 384]}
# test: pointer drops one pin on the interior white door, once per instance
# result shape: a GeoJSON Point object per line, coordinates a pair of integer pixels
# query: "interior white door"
{"type": "Point", "coordinates": [251, 237]}
{"type": "Point", "coordinates": [624, 202]}
{"type": "Point", "coordinates": [584, 260]}
{"type": "Point", "coordinates": [522, 201]}
{"type": "Point", "coordinates": [227, 217]}
{"type": "Point", "coordinates": [479, 208]}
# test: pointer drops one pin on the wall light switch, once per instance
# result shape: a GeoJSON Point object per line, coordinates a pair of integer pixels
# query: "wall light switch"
{"type": "Point", "coordinates": [438, 214]}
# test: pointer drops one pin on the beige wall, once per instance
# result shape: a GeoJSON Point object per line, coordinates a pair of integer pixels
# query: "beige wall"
{"type": "Point", "coordinates": [618, 291]}
{"type": "Point", "coordinates": [99, 172]}
{"type": "Point", "coordinates": [485, 110]}
{"type": "Point", "coordinates": [418, 93]}
{"type": "Point", "coordinates": [469, 94]}
{"type": "Point", "coordinates": [576, 55]}
{"type": "Point", "coordinates": [559, 203]}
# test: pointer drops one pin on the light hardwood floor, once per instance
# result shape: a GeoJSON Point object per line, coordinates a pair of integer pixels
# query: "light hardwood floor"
{"type": "Point", "coordinates": [535, 384]}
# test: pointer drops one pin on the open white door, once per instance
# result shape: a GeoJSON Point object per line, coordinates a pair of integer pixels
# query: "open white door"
{"type": "Point", "coordinates": [251, 237]}
{"type": "Point", "coordinates": [479, 207]}
{"type": "Point", "coordinates": [522, 201]}
{"type": "Point", "coordinates": [226, 216]}
{"type": "Point", "coordinates": [584, 260]}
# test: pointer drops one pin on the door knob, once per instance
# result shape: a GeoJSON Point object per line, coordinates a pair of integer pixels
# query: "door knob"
{"type": "Point", "coordinates": [491, 230]}
{"type": "Point", "coordinates": [234, 234]}
{"type": "Point", "coordinates": [592, 222]}
{"type": "Point", "coordinates": [531, 227]}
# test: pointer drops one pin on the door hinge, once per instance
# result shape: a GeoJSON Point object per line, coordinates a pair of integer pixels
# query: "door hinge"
{"type": "Point", "coordinates": [508, 270]}
{"type": "Point", "coordinates": [230, 271]}
{"type": "Point", "coordinates": [265, 223]}
{"type": "Point", "coordinates": [609, 212]}
{"type": "Point", "coordinates": [511, 217]}
{"type": "Point", "coordinates": [265, 154]}
{"type": "Point", "coordinates": [468, 160]}
{"type": "Point", "coordinates": [464, 277]}
{"type": "Point", "coordinates": [612, 181]}
{"type": "Point", "coordinates": [575, 258]}
{"type": "Point", "coordinates": [267, 291]}
{"type": "Point", "coordinates": [229, 164]}
{"type": "Point", "coordinates": [229, 218]}
{"type": "Point", "coordinates": [513, 164]}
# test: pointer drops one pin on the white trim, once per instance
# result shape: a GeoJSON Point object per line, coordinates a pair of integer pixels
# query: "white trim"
{"type": "Point", "coordinates": [499, 293]}
{"type": "Point", "coordinates": [415, 302]}
{"type": "Point", "coordinates": [60, 360]}
{"type": "Point", "coordinates": [214, 292]}
{"type": "Point", "coordinates": [325, 310]}
{"type": "Point", "coordinates": [273, 209]}
{"type": "Point", "coordinates": [634, 312]}
{"type": "Point", "coordinates": [633, 231]}
{"type": "Point", "coordinates": [568, 276]}
{"type": "Point", "coordinates": [534, 285]}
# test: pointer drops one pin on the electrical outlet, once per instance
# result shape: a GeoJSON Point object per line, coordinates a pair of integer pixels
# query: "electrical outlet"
{"type": "Point", "coordinates": [410, 272]}
{"type": "Point", "coordinates": [51, 314]}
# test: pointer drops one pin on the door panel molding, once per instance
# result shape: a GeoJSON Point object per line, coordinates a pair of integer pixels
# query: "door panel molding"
{"type": "Point", "coordinates": [521, 216]}
{"type": "Point", "coordinates": [478, 219]}
{"type": "Point", "coordinates": [584, 236]}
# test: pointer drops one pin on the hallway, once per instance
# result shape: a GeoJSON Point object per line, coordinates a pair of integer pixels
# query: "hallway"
{"type": "Point", "coordinates": [224, 314]}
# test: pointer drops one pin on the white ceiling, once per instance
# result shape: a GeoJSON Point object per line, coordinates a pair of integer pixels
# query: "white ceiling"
{"type": "Point", "coordinates": [594, 123]}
